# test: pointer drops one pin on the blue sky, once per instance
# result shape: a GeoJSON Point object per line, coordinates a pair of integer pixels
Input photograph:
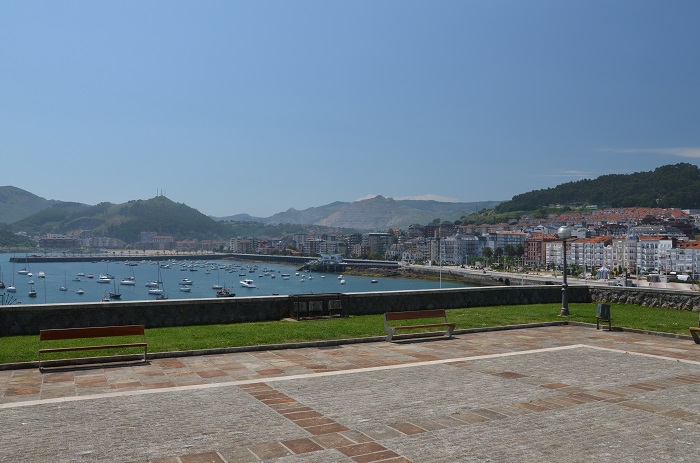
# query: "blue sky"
{"type": "Point", "coordinates": [260, 106]}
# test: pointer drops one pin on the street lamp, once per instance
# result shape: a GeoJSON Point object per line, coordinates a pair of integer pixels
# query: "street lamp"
{"type": "Point", "coordinates": [564, 233]}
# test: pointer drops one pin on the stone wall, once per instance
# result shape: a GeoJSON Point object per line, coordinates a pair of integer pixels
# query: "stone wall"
{"type": "Point", "coordinates": [29, 319]}
{"type": "Point", "coordinates": [661, 298]}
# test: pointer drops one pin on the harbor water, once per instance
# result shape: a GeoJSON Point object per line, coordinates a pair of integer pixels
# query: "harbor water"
{"type": "Point", "coordinates": [67, 282]}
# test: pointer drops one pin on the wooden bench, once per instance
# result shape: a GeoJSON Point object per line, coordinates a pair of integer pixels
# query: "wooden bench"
{"type": "Point", "coordinates": [92, 332]}
{"type": "Point", "coordinates": [416, 315]}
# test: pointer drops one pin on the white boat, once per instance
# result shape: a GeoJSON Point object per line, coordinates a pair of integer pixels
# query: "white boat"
{"type": "Point", "coordinates": [152, 284]}
{"type": "Point", "coordinates": [63, 288]}
{"type": "Point", "coordinates": [248, 283]}
{"type": "Point", "coordinates": [340, 277]}
{"type": "Point", "coordinates": [104, 279]}
{"type": "Point", "coordinates": [186, 281]}
{"type": "Point", "coordinates": [11, 289]}
{"type": "Point", "coordinates": [342, 282]}
{"type": "Point", "coordinates": [156, 291]}
{"type": "Point", "coordinates": [128, 282]}
{"type": "Point", "coordinates": [24, 271]}
{"type": "Point", "coordinates": [374, 281]}
{"type": "Point", "coordinates": [185, 289]}
{"type": "Point", "coordinates": [41, 275]}
{"type": "Point", "coordinates": [80, 291]}
{"type": "Point", "coordinates": [32, 292]}
{"type": "Point", "coordinates": [216, 286]}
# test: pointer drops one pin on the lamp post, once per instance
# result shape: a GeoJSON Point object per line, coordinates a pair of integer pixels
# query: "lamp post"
{"type": "Point", "coordinates": [564, 233]}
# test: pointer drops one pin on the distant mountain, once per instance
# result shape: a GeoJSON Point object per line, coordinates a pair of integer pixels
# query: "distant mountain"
{"type": "Point", "coordinates": [239, 218]}
{"type": "Point", "coordinates": [676, 186]}
{"type": "Point", "coordinates": [379, 213]}
{"type": "Point", "coordinates": [125, 221]}
{"type": "Point", "coordinates": [16, 204]}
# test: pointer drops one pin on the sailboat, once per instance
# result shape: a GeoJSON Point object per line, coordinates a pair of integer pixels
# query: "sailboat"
{"type": "Point", "coordinates": [12, 288]}
{"type": "Point", "coordinates": [2, 285]}
{"type": "Point", "coordinates": [130, 280]}
{"type": "Point", "coordinates": [32, 291]}
{"type": "Point", "coordinates": [158, 289]}
{"type": "Point", "coordinates": [115, 294]}
{"type": "Point", "coordinates": [217, 285]}
{"type": "Point", "coordinates": [65, 286]}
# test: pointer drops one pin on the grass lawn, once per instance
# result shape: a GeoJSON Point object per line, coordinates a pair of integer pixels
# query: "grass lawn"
{"type": "Point", "coordinates": [24, 348]}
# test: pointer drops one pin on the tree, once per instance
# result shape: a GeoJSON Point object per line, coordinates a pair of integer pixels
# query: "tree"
{"type": "Point", "coordinates": [487, 252]}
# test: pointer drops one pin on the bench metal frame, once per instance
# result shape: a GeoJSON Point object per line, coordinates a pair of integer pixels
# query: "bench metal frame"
{"type": "Point", "coordinates": [695, 333]}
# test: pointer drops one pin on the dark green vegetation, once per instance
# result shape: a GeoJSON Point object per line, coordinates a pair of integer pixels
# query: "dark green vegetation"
{"type": "Point", "coordinates": [8, 240]}
{"type": "Point", "coordinates": [16, 204]}
{"type": "Point", "coordinates": [24, 348]}
{"type": "Point", "coordinates": [668, 186]}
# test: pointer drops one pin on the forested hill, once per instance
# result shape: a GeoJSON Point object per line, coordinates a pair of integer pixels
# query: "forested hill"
{"type": "Point", "coordinates": [675, 186]}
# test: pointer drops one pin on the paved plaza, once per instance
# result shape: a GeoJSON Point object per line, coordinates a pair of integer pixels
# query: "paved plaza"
{"type": "Point", "coordinates": [547, 394]}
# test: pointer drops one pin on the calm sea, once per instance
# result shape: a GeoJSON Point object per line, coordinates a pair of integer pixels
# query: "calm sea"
{"type": "Point", "coordinates": [269, 278]}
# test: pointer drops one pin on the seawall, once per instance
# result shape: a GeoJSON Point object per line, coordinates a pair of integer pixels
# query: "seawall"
{"type": "Point", "coordinates": [29, 319]}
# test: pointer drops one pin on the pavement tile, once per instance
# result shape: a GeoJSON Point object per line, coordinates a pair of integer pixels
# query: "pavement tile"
{"type": "Point", "coordinates": [325, 429]}
{"type": "Point", "coordinates": [469, 417]}
{"type": "Point", "coordinates": [238, 455]}
{"type": "Point", "coordinates": [489, 414]}
{"type": "Point", "coordinates": [407, 428]}
{"type": "Point", "coordinates": [300, 415]}
{"type": "Point", "coordinates": [209, 457]}
{"type": "Point", "coordinates": [309, 422]}
{"type": "Point", "coordinates": [271, 450]}
{"type": "Point", "coordinates": [356, 436]}
{"type": "Point", "coordinates": [302, 446]}
{"type": "Point", "coordinates": [377, 456]}
{"type": "Point", "coordinates": [332, 440]}
{"type": "Point", "coordinates": [206, 374]}
{"type": "Point", "coordinates": [361, 449]}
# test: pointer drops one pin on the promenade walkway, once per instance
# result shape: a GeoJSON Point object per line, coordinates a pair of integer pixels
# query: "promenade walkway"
{"type": "Point", "coordinates": [560, 393]}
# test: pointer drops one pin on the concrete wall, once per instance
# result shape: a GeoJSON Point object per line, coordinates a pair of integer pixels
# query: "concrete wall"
{"type": "Point", "coordinates": [29, 319]}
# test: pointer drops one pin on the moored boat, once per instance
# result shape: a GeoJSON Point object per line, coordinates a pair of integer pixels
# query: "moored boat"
{"type": "Point", "coordinates": [248, 283]}
{"type": "Point", "coordinates": [225, 292]}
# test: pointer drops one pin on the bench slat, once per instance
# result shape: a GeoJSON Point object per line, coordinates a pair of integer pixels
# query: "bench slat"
{"type": "Point", "coordinates": [431, 325]}
{"type": "Point", "coordinates": [91, 332]}
{"type": "Point", "coordinates": [102, 346]}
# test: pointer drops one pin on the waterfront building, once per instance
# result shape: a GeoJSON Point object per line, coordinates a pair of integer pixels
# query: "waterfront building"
{"type": "Point", "coordinates": [535, 252]}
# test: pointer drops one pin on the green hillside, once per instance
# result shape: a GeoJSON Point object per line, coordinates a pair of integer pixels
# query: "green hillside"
{"type": "Point", "coordinates": [16, 204]}
{"type": "Point", "coordinates": [675, 186]}
{"type": "Point", "coordinates": [125, 221]}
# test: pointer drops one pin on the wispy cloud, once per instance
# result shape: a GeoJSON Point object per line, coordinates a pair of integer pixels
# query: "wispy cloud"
{"type": "Point", "coordinates": [369, 196]}
{"type": "Point", "coordinates": [684, 152]}
{"type": "Point", "coordinates": [570, 174]}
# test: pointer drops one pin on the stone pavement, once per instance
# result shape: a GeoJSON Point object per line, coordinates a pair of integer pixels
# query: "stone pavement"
{"type": "Point", "coordinates": [561, 393]}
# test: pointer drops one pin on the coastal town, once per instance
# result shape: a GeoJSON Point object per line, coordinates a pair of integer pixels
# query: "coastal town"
{"type": "Point", "coordinates": [604, 242]}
